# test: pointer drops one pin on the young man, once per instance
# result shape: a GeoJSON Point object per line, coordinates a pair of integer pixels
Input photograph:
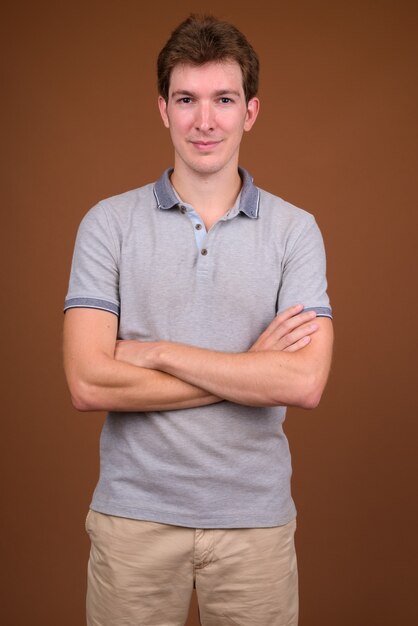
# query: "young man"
{"type": "Point", "coordinates": [197, 310]}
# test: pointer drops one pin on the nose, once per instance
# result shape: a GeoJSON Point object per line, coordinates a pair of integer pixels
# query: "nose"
{"type": "Point", "coordinates": [205, 118]}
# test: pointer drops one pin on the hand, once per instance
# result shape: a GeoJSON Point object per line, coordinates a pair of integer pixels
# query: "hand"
{"type": "Point", "coordinates": [290, 331]}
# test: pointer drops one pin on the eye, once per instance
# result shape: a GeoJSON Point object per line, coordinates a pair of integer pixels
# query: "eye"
{"type": "Point", "coordinates": [225, 100]}
{"type": "Point", "coordinates": [185, 100]}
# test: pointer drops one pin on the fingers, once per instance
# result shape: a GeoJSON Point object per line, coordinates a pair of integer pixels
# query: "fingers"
{"type": "Point", "coordinates": [285, 317]}
{"type": "Point", "coordinates": [287, 328]}
{"type": "Point", "coordinates": [298, 345]}
{"type": "Point", "coordinates": [300, 334]}
{"type": "Point", "coordinates": [288, 313]}
{"type": "Point", "coordinates": [283, 324]}
{"type": "Point", "coordinates": [288, 320]}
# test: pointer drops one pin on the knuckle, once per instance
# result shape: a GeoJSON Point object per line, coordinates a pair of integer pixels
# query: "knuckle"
{"type": "Point", "coordinates": [288, 339]}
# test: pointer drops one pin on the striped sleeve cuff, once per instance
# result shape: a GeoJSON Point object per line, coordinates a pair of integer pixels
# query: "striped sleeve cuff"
{"type": "Point", "coordinates": [91, 303]}
{"type": "Point", "coordinates": [321, 311]}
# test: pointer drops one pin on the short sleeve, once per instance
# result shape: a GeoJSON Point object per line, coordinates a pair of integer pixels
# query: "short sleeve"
{"type": "Point", "coordinates": [94, 278]}
{"type": "Point", "coordinates": [304, 272]}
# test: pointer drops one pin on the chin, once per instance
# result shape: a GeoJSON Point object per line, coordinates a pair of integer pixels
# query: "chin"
{"type": "Point", "coordinates": [208, 165]}
{"type": "Point", "coordinates": [208, 169]}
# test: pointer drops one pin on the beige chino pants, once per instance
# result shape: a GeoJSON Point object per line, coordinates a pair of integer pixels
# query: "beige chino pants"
{"type": "Point", "coordinates": [143, 573]}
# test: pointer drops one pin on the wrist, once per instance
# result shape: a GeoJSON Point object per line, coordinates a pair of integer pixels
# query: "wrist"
{"type": "Point", "coordinates": [168, 357]}
{"type": "Point", "coordinates": [156, 355]}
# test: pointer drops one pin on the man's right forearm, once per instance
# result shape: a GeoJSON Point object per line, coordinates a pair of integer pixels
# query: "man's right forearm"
{"type": "Point", "coordinates": [98, 381]}
{"type": "Point", "coordinates": [118, 386]}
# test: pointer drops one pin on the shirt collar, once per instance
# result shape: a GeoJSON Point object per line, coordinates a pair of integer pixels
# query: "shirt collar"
{"type": "Point", "coordinates": [249, 200]}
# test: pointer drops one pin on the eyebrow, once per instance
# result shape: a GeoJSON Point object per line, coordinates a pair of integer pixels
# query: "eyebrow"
{"type": "Point", "coordinates": [218, 93]}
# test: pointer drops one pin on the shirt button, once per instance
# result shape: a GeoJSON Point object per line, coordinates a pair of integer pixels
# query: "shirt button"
{"type": "Point", "coordinates": [182, 209]}
{"type": "Point", "coordinates": [203, 251]}
{"type": "Point", "coordinates": [198, 226]}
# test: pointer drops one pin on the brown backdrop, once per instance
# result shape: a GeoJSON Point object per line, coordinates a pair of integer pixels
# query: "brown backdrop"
{"type": "Point", "coordinates": [337, 135]}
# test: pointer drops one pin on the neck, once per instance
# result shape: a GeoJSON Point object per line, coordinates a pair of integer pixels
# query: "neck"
{"type": "Point", "coordinates": [211, 195]}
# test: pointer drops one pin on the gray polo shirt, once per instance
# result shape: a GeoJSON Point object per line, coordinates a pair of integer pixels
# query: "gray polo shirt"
{"type": "Point", "coordinates": [146, 257]}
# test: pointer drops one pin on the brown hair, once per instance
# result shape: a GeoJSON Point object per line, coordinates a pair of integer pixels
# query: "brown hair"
{"type": "Point", "coordinates": [201, 39]}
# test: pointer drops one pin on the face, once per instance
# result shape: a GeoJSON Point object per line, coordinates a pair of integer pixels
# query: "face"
{"type": "Point", "coordinates": [207, 114]}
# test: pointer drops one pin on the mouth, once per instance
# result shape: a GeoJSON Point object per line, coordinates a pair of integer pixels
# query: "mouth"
{"type": "Point", "coordinates": [205, 145]}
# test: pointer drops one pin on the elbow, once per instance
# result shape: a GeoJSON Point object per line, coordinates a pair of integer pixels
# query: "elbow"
{"type": "Point", "coordinates": [311, 401]}
{"type": "Point", "coordinates": [312, 394]}
{"type": "Point", "coordinates": [80, 404]}
{"type": "Point", "coordinates": [306, 395]}
{"type": "Point", "coordinates": [83, 397]}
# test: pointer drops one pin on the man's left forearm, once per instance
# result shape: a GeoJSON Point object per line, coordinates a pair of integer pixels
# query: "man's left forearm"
{"type": "Point", "coordinates": [267, 378]}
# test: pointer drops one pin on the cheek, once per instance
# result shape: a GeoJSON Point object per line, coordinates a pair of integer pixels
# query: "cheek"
{"type": "Point", "coordinates": [180, 124]}
{"type": "Point", "coordinates": [233, 123]}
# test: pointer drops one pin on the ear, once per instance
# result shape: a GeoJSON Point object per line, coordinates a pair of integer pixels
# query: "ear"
{"type": "Point", "coordinates": [253, 108]}
{"type": "Point", "coordinates": [162, 105]}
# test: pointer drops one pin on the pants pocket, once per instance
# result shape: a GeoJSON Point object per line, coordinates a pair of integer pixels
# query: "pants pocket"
{"type": "Point", "coordinates": [86, 523]}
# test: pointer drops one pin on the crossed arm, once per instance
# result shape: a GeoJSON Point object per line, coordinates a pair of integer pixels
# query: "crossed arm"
{"type": "Point", "coordinates": [288, 364]}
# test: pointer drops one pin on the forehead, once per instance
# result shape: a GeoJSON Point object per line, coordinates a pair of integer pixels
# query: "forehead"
{"type": "Point", "coordinates": [213, 76]}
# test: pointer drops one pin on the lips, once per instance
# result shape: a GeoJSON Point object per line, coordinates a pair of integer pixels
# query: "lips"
{"type": "Point", "coordinates": [205, 145]}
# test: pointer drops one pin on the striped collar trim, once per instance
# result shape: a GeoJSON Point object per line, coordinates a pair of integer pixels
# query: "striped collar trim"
{"type": "Point", "coordinates": [249, 203]}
